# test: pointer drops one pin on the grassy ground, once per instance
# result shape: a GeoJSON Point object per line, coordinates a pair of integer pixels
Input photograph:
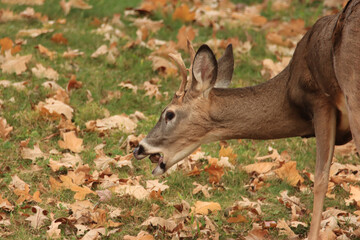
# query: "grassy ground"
{"type": "Point", "coordinates": [132, 64]}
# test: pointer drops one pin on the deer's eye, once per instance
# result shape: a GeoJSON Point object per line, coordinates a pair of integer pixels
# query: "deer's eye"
{"type": "Point", "coordinates": [169, 115]}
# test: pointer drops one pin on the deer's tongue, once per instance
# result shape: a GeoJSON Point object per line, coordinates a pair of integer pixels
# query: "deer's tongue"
{"type": "Point", "coordinates": [155, 158]}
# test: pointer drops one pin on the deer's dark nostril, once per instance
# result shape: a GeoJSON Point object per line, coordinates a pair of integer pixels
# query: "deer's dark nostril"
{"type": "Point", "coordinates": [162, 165]}
{"type": "Point", "coordinates": [141, 150]}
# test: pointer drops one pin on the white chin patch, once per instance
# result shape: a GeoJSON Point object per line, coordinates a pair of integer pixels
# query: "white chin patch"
{"type": "Point", "coordinates": [158, 171]}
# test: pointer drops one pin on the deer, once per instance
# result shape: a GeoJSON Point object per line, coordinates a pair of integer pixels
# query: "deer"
{"type": "Point", "coordinates": [316, 95]}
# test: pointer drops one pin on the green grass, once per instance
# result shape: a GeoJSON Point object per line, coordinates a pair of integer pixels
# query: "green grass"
{"type": "Point", "coordinates": [100, 77]}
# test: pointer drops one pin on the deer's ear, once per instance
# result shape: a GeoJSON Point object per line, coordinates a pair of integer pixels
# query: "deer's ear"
{"type": "Point", "coordinates": [204, 71]}
{"type": "Point", "coordinates": [225, 68]}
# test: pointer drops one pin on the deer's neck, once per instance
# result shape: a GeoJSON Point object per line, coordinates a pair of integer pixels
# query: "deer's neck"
{"type": "Point", "coordinates": [259, 112]}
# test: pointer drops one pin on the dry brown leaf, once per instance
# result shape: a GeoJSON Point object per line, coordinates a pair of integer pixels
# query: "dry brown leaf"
{"type": "Point", "coordinates": [71, 142]}
{"type": "Point", "coordinates": [121, 122]}
{"type": "Point", "coordinates": [204, 208]}
{"type": "Point", "coordinates": [24, 2]}
{"type": "Point", "coordinates": [183, 13]}
{"type": "Point", "coordinates": [257, 233]}
{"type": "Point", "coordinates": [41, 72]}
{"type": "Point", "coordinates": [228, 152]}
{"type": "Point", "coordinates": [38, 219]}
{"type": "Point", "coordinates": [152, 90]}
{"type": "Point", "coordinates": [68, 161]}
{"type": "Point", "coordinates": [72, 53]}
{"type": "Point", "coordinates": [73, 83]}
{"type": "Point", "coordinates": [54, 232]}
{"type": "Point", "coordinates": [129, 85]}
{"type": "Point", "coordinates": [66, 6]}
{"type": "Point", "coordinates": [137, 191]}
{"type": "Point", "coordinates": [59, 38]}
{"type": "Point", "coordinates": [55, 108]}
{"type": "Point", "coordinates": [149, 24]}
{"type": "Point", "coordinates": [102, 50]}
{"type": "Point", "coordinates": [271, 69]}
{"type": "Point", "coordinates": [14, 64]}
{"type": "Point", "coordinates": [5, 128]}
{"type": "Point", "coordinates": [289, 173]}
{"type": "Point", "coordinates": [155, 185]}
{"type": "Point", "coordinates": [5, 204]}
{"type": "Point", "coordinates": [203, 189]}
{"type": "Point", "coordinates": [185, 33]}
{"type": "Point", "coordinates": [44, 51]}
{"type": "Point", "coordinates": [33, 33]}
{"type": "Point", "coordinates": [163, 66]}
{"type": "Point", "coordinates": [32, 154]}
{"type": "Point", "coordinates": [238, 219]}
{"type": "Point", "coordinates": [141, 236]}
{"type": "Point", "coordinates": [354, 195]}
{"type": "Point", "coordinates": [284, 229]}
{"type": "Point", "coordinates": [166, 224]}
{"type": "Point", "coordinates": [260, 167]}
{"type": "Point", "coordinates": [215, 173]}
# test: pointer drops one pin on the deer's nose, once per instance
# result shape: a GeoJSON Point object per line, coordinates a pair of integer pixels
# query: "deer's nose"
{"type": "Point", "coordinates": [139, 152]}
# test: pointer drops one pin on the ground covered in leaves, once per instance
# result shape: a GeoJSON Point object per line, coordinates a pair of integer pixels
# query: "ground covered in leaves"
{"type": "Point", "coordinates": [82, 82]}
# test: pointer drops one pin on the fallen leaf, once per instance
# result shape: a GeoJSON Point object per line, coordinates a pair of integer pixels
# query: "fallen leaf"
{"type": "Point", "coordinates": [121, 122]}
{"type": "Point", "coordinates": [54, 108]}
{"type": "Point", "coordinates": [238, 219]}
{"type": "Point", "coordinates": [5, 204]}
{"type": "Point", "coordinates": [289, 173]}
{"type": "Point", "coordinates": [215, 173]}
{"type": "Point", "coordinates": [24, 2]}
{"type": "Point", "coordinates": [33, 33]}
{"type": "Point", "coordinates": [137, 191]}
{"type": "Point", "coordinates": [166, 224]}
{"type": "Point", "coordinates": [228, 152]}
{"type": "Point", "coordinates": [260, 167]}
{"type": "Point", "coordinates": [205, 208]}
{"type": "Point", "coordinates": [154, 185]}
{"type": "Point", "coordinates": [41, 72]}
{"type": "Point", "coordinates": [203, 189]}
{"type": "Point", "coordinates": [102, 50]}
{"type": "Point", "coordinates": [32, 154]}
{"type": "Point", "coordinates": [183, 13]}
{"type": "Point", "coordinates": [285, 230]}
{"type": "Point", "coordinates": [185, 33]}
{"type": "Point", "coordinates": [44, 51]}
{"type": "Point", "coordinates": [71, 142]}
{"type": "Point", "coordinates": [59, 38]}
{"type": "Point", "coordinates": [38, 219]}
{"type": "Point", "coordinates": [72, 53]}
{"type": "Point", "coordinates": [5, 128]}
{"type": "Point", "coordinates": [14, 64]}
{"type": "Point", "coordinates": [54, 232]}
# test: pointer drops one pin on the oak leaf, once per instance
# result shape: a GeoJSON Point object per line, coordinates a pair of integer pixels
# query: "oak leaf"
{"type": "Point", "coordinates": [54, 232]}
{"type": "Point", "coordinates": [38, 219]}
{"type": "Point", "coordinates": [5, 204]}
{"type": "Point", "coordinates": [154, 185]}
{"type": "Point", "coordinates": [32, 154]}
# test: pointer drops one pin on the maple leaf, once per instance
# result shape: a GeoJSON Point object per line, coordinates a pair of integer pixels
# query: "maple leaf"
{"type": "Point", "coordinates": [54, 108]}
{"type": "Point", "coordinates": [32, 154]}
{"type": "Point", "coordinates": [164, 66]}
{"type": "Point", "coordinates": [38, 219]}
{"type": "Point", "coordinates": [154, 185]}
{"type": "Point", "coordinates": [142, 235]}
{"type": "Point", "coordinates": [204, 208]}
{"type": "Point", "coordinates": [257, 233]}
{"type": "Point", "coordinates": [81, 192]}
{"type": "Point", "coordinates": [238, 219]}
{"type": "Point", "coordinates": [215, 173]}
{"type": "Point", "coordinates": [102, 161]}
{"type": "Point", "coordinates": [121, 122]}
{"type": "Point", "coordinates": [289, 173]}
{"type": "Point", "coordinates": [152, 90]}
{"type": "Point", "coordinates": [185, 33]}
{"type": "Point", "coordinates": [14, 64]}
{"type": "Point", "coordinates": [105, 195]}
{"type": "Point", "coordinates": [68, 161]}
{"type": "Point", "coordinates": [183, 13]}
{"type": "Point", "coordinates": [33, 33]}
{"type": "Point", "coordinates": [44, 51]}
{"type": "Point", "coordinates": [71, 142]}
{"type": "Point", "coordinates": [166, 224]}
{"type": "Point", "coordinates": [41, 72]}
{"type": "Point", "coordinates": [260, 167]}
{"type": "Point", "coordinates": [59, 38]}
{"type": "Point", "coordinates": [285, 229]}
{"type": "Point", "coordinates": [137, 191]}
{"type": "Point", "coordinates": [203, 189]}
{"type": "Point", "coordinates": [5, 129]}
{"type": "Point", "coordinates": [7, 44]}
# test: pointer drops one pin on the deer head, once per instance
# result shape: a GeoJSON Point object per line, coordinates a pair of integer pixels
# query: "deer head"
{"type": "Point", "coordinates": [186, 122]}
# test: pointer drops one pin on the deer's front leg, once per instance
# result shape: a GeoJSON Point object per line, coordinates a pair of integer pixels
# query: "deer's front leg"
{"type": "Point", "coordinates": [325, 131]}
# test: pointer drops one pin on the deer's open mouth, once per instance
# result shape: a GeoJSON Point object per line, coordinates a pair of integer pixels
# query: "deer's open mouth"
{"type": "Point", "coordinates": [156, 157]}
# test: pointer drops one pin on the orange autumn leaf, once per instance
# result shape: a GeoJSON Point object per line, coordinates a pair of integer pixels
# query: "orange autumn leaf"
{"type": "Point", "coordinates": [238, 219]}
{"type": "Point", "coordinates": [36, 197]}
{"type": "Point", "coordinates": [6, 44]}
{"type": "Point", "coordinates": [73, 83]}
{"type": "Point", "coordinates": [289, 173]}
{"type": "Point", "coordinates": [228, 152]}
{"type": "Point", "coordinates": [59, 38]}
{"type": "Point", "coordinates": [54, 185]}
{"type": "Point", "coordinates": [71, 142]}
{"type": "Point", "coordinates": [184, 34]}
{"type": "Point", "coordinates": [215, 173]}
{"type": "Point", "coordinates": [183, 13]}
